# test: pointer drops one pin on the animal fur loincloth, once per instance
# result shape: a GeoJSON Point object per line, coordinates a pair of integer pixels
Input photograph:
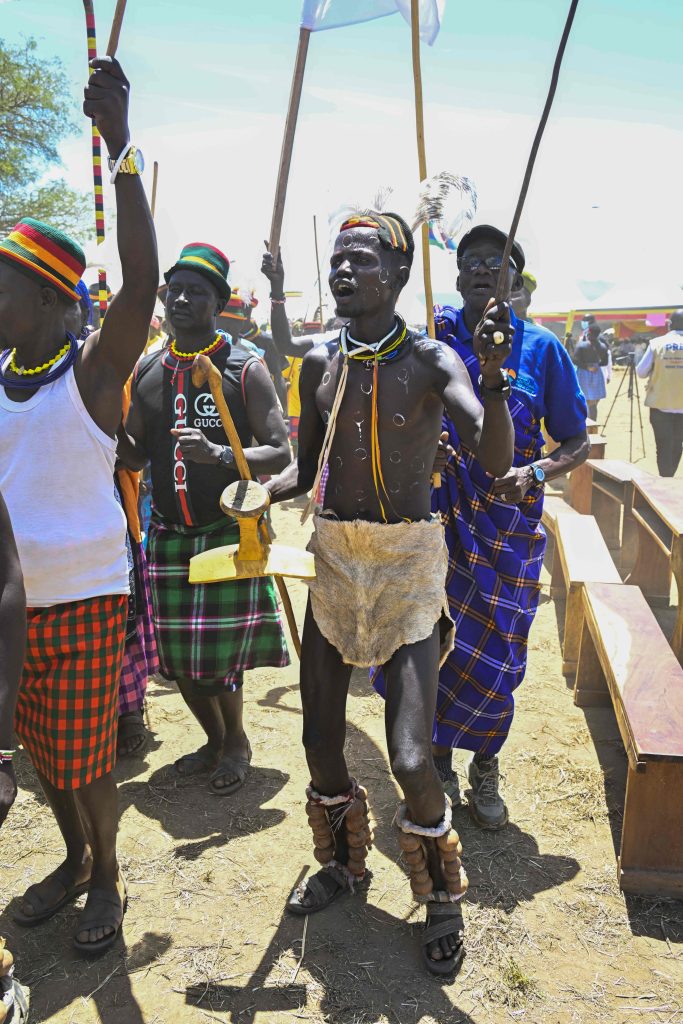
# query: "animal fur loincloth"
{"type": "Point", "coordinates": [379, 586]}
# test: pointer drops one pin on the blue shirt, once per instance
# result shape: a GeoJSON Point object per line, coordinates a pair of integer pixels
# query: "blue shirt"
{"type": "Point", "coordinates": [542, 375]}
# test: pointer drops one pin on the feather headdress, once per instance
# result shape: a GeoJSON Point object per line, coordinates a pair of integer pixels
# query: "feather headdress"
{"type": "Point", "coordinates": [447, 200]}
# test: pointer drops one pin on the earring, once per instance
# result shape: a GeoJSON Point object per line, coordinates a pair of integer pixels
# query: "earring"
{"type": "Point", "coordinates": [383, 276]}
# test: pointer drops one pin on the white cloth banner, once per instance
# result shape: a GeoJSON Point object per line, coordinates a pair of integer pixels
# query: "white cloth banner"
{"type": "Point", "coordinates": [321, 14]}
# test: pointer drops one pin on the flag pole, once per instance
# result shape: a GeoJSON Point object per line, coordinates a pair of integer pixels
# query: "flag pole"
{"type": "Point", "coordinates": [320, 283]}
{"type": "Point", "coordinates": [421, 158]}
{"type": "Point", "coordinates": [288, 140]}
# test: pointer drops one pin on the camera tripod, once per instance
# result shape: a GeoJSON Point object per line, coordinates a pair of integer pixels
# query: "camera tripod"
{"type": "Point", "coordinates": [633, 395]}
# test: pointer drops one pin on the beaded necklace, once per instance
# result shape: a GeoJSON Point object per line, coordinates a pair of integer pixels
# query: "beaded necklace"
{"type": "Point", "coordinates": [185, 357]}
{"type": "Point", "coordinates": [382, 351]}
{"type": "Point", "coordinates": [22, 371]}
{"type": "Point", "coordinates": [211, 347]}
{"type": "Point", "coordinates": [55, 367]}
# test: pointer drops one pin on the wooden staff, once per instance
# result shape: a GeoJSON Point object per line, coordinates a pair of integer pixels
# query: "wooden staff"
{"type": "Point", "coordinates": [203, 370]}
{"type": "Point", "coordinates": [288, 141]}
{"type": "Point", "coordinates": [91, 35]}
{"type": "Point", "coordinates": [155, 179]}
{"type": "Point", "coordinates": [422, 164]}
{"type": "Point", "coordinates": [113, 43]}
{"type": "Point", "coordinates": [317, 264]}
{"type": "Point", "coordinates": [421, 159]}
{"type": "Point", "coordinates": [502, 287]}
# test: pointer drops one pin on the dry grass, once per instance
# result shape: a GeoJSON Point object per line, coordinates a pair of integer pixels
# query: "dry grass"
{"type": "Point", "coordinates": [550, 939]}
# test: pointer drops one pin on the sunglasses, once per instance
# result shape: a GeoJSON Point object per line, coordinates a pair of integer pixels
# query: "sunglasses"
{"type": "Point", "coordinates": [471, 263]}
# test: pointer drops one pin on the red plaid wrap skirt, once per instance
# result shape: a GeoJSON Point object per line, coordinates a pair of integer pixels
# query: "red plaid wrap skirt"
{"type": "Point", "coordinates": [67, 713]}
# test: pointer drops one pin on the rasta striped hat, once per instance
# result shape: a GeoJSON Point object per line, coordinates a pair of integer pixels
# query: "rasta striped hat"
{"type": "Point", "coordinates": [239, 306]}
{"type": "Point", "coordinates": [206, 260]}
{"type": "Point", "coordinates": [392, 230]}
{"type": "Point", "coordinates": [45, 253]}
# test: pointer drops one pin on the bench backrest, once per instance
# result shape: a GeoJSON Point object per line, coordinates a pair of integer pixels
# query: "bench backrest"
{"type": "Point", "coordinates": [615, 469]}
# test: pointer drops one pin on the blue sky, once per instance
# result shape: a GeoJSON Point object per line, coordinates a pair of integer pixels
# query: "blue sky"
{"type": "Point", "coordinates": [210, 82]}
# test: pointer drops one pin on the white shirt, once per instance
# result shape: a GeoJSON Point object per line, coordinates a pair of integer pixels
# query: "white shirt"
{"type": "Point", "coordinates": [57, 478]}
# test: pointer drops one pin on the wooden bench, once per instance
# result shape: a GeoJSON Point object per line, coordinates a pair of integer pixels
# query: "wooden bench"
{"type": "Point", "coordinates": [625, 660]}
{"type": "Point", "coordinates": [611, 501]}
{"type": "Point", "coordinates": [584, 558]}
{"type": "Point", "coordinates": [552, 505]}
{"type": "Point", "coordinates": [581, 479]}
{"type": "Point", "coordinates": [658, 513]}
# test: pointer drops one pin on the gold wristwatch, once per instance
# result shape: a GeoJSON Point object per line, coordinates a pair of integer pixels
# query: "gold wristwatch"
{"type": "Point", "coordinates": [132, 163]}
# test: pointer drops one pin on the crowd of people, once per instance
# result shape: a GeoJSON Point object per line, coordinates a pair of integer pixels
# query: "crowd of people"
{"type": "Point", "coordinates": [432, 589]}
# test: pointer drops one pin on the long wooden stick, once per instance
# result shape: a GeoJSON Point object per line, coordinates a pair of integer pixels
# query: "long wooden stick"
{"type": "Point", "coordinates": [320, 283]}
{"type": "Point", "coordinates": [113, 43]}
{"type": "Point", "coordinates": [422, 164]}
{"type": "Point", "coordinates": [155, 179]}
{"type": "Point", "coordinates": [421, 159]}
{"type": "Point", "coordinates": [288, 140]}
{"type": "Point", "coordinates": [502, 287]}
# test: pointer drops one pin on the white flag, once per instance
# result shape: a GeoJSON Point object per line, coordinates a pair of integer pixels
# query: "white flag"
{"type": "Point", "coordinates": [321, 14]}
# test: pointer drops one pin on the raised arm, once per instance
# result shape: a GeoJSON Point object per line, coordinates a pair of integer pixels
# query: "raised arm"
{"type": "Point", "coordinates": [299, 476]}
{"type": "Point", "coordinates": [130, 435]}
{"type": "Point", "coordinates": [12, 646]}
{"type": "Point", "coordinates": [485, 427]}
{"type": "Point", "coordinates": [108, 358]}
{"type": "Point", "coordinates": [279, 324]}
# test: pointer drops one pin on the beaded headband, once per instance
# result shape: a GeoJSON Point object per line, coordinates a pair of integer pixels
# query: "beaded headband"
{"type": "Point", "coordinates": [390, 230]}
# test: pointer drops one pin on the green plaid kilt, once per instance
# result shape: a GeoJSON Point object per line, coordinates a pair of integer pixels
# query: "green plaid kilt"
{"type": "Point", "coordinates": [210, 633]}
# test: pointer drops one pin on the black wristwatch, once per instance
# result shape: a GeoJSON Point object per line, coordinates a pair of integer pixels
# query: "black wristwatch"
{"type": "Point", "coordinates": [501, 394]}
{"type": "Point", "coordinates": [226, 458]}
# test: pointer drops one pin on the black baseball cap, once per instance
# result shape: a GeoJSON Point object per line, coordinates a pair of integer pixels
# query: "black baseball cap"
{"type": "Point", "coordinates": [487, 231]}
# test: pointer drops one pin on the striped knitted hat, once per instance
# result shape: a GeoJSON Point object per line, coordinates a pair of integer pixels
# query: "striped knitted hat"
{"type": "Point", "coordinates": [46, 253]}
{"type": "Point", "coordinates": [206, 260]}
{"type": "Point", "coordinates": [239, 306]}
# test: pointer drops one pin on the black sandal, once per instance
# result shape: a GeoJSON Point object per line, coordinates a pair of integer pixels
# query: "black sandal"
{"type": "Point", "coordinates": [321, 891]}
{"type": "Point", "coordinates": [452, 924]}
{"type": "Point", "coordinates": [132, 726]}
{"type": "Point", "coordinates": [197, 763]}
{"type": "Point", "coordinates": [228, 765]}
{"type": "Point", "coordinates": [71, 892]}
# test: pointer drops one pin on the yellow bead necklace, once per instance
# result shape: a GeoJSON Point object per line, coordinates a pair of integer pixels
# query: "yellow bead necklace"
{"type": "Point", "coordinates": [21, 371]}
{"type": "Point", "coordinates": [200, 352]}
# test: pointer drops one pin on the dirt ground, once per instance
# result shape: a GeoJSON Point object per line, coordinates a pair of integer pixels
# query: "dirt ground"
{"type": "Point", "coordinates": [550, 937]}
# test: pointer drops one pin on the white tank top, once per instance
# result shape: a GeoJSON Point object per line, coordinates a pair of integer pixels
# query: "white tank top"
{"type": "Point", "coordinates": [57, 478]}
